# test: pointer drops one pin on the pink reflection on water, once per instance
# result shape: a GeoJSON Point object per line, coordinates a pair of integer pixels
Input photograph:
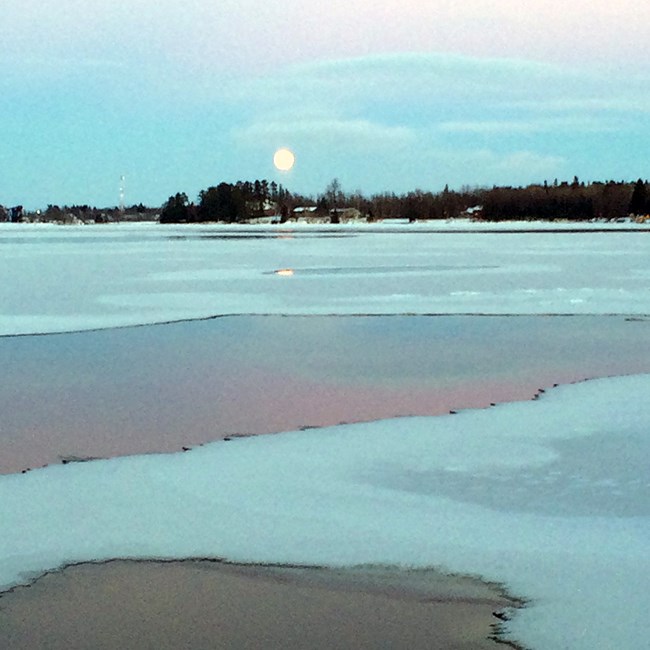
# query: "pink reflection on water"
{"type": "Point", "coordinates": [160, 391]}
{"type": "Point", "coordinates": [260, 403]}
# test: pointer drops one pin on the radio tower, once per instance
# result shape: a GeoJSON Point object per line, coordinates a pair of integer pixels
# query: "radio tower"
{"type": "Point", "coordinates": [122, 179]}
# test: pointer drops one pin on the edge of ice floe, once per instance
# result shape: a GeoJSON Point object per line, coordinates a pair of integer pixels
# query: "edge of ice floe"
{"type": "Point", "coordinates": [504, 629]}
{"type": "Point", "coordinates": [628, 316]}
{"type": "Point", "coordinates": [498, 629]}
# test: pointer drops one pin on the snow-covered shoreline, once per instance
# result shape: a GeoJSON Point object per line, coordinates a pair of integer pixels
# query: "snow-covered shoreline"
{"type": "Point", "coordinates": [399, 225]}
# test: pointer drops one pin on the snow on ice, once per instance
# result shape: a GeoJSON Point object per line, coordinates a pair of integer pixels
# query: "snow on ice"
{"type": "Point", "coordinates": [72, 278]}
{"type": "Point", "coordinates": [505, 493]}
{"type": "Point", "coordinates": [549, 497]}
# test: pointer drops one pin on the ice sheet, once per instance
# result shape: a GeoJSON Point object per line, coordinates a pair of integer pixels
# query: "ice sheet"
{"type": "Point", "coordinates": [73, 278]}
{"type": "Point", "coordinates": [550, 497]}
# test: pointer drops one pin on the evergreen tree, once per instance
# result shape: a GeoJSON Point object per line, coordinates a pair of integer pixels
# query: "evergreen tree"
{"type": "Point", "coordinates": [175, 210]}
{"type": "Point", "coordinates": [225, 202]}
{"type": "Point", "coordinates": [639, 200]}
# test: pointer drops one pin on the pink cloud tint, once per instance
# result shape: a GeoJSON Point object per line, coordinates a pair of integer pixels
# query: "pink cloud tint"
{"type": "Point", "coordinates": [253, 35]}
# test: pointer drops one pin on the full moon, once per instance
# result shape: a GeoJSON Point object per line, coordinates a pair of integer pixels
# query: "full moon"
{"type": "Point", "coordinates": [283, 159]}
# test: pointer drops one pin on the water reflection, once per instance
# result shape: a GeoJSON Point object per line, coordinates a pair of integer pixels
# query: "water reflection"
{"type": "Point", "coordinates": [264, 234]}
{"type": "Point", "coordinates": [392, 270]}
{"type": "Point", "coordinates": [159, 388]}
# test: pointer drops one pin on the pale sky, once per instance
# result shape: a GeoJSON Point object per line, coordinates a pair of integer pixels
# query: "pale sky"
{"type": "Point", "coordinates": [386, 95]}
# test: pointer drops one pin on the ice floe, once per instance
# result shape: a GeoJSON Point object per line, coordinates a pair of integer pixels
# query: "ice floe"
{"type": "Point", "coordinates": [550, 497]}
{"type": "Point", "coordinates": [75, 278]}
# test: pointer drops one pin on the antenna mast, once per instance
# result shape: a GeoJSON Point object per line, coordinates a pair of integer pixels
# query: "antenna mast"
{"type": "Point", "coordinates": [122, 179]}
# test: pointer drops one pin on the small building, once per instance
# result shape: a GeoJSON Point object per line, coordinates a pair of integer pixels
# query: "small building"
{"type": "Point", "coordinates": [304, 211]}
{"type": "Point", "coordinates": [475, 213]}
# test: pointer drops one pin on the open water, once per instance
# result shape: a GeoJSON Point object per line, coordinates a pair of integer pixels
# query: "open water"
{"type": "Point", "coordinates": [161, 387]}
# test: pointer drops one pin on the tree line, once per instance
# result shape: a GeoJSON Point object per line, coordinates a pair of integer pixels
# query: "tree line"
{"type": "Point", "coordinates": [577, 201]}
{"type": "Point", "coordinates": [572, 201]}
{"type": "Point", "coordinates": [229, 202]}
{"type": "Point", "coordinates": [249, 200]}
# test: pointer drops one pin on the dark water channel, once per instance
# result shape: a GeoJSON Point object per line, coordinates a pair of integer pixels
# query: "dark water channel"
{"type": "Point", "coordinates": [158, 388]}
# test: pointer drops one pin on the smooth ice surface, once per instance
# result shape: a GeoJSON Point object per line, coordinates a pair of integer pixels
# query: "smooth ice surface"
{"type": "Point", "coordinates": [550, 497]}
{"type": "Point", "coordinates": [58, 279]}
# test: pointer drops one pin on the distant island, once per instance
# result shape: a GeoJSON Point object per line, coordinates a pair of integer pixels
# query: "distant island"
{"type": "Point", "coordinates": [262, 202]}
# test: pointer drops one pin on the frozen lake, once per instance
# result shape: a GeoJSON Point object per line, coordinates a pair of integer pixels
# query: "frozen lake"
{"type": "Point", "coordinates": [549, 497]}
{"type": "Point", "coordinates": [57, 279]}
{"type": "Point", "coordinates": [159, 388]}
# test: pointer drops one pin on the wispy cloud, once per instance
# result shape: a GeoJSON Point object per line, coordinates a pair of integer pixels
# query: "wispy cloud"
{"type": "Point", "coordinates": [519, 165]}
{"type": "Point", "coordinates": [356, 133]}
{"type": "Point", "coordinates": [434, 115]}
{"type": "Point", "coordinates": [407, 77]}
{"type": "Point", "coordinates": [381, 122]}
{"type": "Point", "coordinates": [623, 99]}
{"type": "Point", "coordinates": [570, 124]}
{"type": "Point", "coordinates": [434, 165]}
{"type": "Point", "coordinates": [426, 83]}
{"type": "Point", "coordinates": [254, 34]}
